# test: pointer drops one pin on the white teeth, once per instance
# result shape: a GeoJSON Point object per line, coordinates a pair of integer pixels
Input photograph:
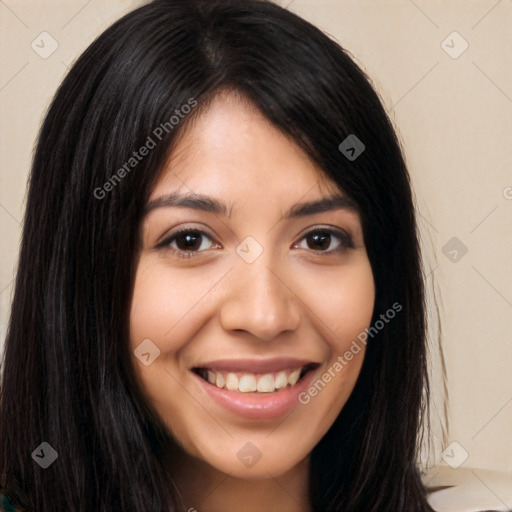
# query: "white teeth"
{"type": "Point", "coordinates": [232, 382]}
{"type": "Point", "coordinates": [219, 380]}
{"type": "Point", "coordinates": [250, 382]}
{"type": "Point", "coordinates": [294, 377]}
{"type": "Point", "coordinates": [247, 384]}
{"type": "Point", "coordinates": [266, 383]}
{"type": "Point", "coordinates": [281, 380]}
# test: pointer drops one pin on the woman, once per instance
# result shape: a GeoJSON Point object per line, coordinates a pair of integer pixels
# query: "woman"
{"type": "Point", "coordinates": [219, 302]}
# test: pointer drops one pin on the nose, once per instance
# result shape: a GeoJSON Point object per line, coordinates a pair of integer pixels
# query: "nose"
{"type": "Point", "coordinates": [260, 302]}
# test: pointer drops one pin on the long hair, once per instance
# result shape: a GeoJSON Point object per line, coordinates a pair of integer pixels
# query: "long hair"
{"type": "Point", "coordinates": [68, 377]}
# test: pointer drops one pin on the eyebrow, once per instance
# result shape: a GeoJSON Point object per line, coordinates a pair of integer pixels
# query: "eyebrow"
{"type": "Point", "coordinates": [210, 204]}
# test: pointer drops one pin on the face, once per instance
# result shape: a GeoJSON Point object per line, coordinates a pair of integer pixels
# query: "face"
{"type": "Point", "coordinates": [248, 291]}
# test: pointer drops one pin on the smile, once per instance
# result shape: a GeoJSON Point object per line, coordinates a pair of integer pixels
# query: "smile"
{"type": "Point", "coordinates": [255, 389]}
{"type": "Point", "coordinates": [247, 382]}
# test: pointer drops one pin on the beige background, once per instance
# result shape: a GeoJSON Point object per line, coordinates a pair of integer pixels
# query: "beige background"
{"type": "Point", "coordinates": [454, 116]}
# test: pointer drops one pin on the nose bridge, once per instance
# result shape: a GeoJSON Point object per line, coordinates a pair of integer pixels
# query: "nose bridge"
{"type": "Point", "coordinates": [259, 300]}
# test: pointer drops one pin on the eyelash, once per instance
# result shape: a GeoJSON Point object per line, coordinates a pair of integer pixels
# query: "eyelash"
{"type": "Point", "coordinates": [346, 241]}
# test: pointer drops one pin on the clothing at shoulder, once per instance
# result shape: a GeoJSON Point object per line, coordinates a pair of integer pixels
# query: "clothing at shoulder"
{"type": "Point", "coordinates": [7, 504]}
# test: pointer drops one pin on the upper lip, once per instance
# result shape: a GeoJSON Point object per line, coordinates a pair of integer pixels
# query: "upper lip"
{"type": "Point", "coordinates": [255, 365]}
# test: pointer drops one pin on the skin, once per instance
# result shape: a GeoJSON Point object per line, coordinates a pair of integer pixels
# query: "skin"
{"type": "Point", "coordinates": [292, 301]}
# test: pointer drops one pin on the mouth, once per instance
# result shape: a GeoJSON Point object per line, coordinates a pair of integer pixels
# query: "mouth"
{"type": "Point", "coordinates": [256, 389]}
{"type": "Point", "coordinates": [255, 382]}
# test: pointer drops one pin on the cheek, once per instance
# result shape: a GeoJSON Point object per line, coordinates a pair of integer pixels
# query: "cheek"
{"type": "Point", "coordinates": [343, 304]}
{"type": "Point", "coordinates": [163, 306]}
{"type": "Point", "coordinates": [341, 299]}
{"type": "Point", "coordinates": [169, 307]}
{"type": "Point", "coordinates": [166, 304]}
{"type": "Point", "coordinates": [164, 310]}
{"type": "Point", "coordinates": [339, 302]}
{"type": "Point", "coordinates": [354, 307]}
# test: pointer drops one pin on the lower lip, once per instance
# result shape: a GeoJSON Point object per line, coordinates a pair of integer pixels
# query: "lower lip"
{"type": "Point", "coordinates": [264, 406]}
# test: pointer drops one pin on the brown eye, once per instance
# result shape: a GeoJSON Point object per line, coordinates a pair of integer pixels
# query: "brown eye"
{"type": "Point", "coordinates": [326, 241]}
{"type": "Point", "coordinates": [319, 240]}
{"type": "Point", "coordinates": [188, 241]}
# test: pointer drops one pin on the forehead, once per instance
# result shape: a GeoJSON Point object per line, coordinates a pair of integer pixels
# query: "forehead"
{"type": "Point", "coordinates": [231, 150]}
